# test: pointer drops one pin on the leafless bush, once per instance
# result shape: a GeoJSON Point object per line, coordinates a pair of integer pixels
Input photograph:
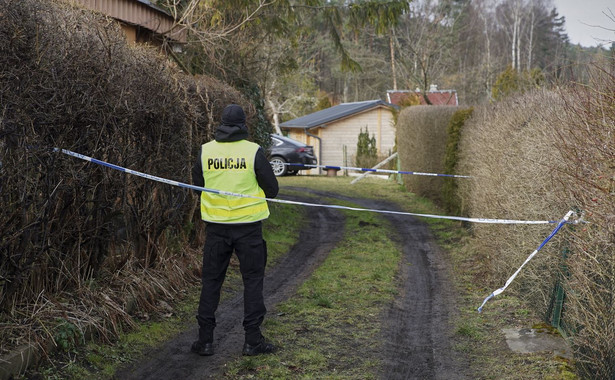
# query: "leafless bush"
{"type": "Point", "coordinates": [535, 157]}
{"type": "Point", "coordinates": [585, 135]}
{"type": "Point", "coordinates": [422, 137]}
{"type": "Point", "coordinates": [68, 79]}
{"type": "Point", "coordinates": [506, 149]}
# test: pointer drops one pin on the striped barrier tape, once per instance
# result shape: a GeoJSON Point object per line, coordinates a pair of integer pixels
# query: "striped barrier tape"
{"type": "Point", "coordinates": [376, 170]}
{"type": "Point", "coordinates": [555, 231]}
{"type": "Point", "coordinates": [221, 192]}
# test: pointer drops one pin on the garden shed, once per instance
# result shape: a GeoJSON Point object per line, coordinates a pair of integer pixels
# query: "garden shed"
{"type": "Point", "coordinates": [141, 20]}
{"type": "Point", "coordinates": [334, 131]}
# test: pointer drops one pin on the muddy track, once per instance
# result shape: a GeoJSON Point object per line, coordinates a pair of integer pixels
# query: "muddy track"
{"type": "Point", "coordinates": [174, 360]}
{"type": "Point", "coordinates": [415, 327]}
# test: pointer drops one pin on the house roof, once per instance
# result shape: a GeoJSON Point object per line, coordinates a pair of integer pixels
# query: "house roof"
{"type": "Point", "coordinates": [334, 113]}
{"type": "Point", "coordinates": [436, 97]}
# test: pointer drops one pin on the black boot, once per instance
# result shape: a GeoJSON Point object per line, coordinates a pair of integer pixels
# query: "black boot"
{"type": "Point", "coordinates": [203, 349]}
{"type": "Point", "coordinates": [204, 346]}
{"type": "Point", "coordinates": [262, 347]}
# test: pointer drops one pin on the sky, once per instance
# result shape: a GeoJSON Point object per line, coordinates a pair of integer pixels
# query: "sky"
{"type": "Point", "coordinates": [586, 21]}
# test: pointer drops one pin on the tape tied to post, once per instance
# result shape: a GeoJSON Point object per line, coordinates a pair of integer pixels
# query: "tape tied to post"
{"type": "Point", "coordinates": [510, 280]}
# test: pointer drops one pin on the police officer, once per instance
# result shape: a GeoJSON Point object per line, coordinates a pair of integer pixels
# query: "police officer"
{"type": "Point", "coordinates": [231, 163]}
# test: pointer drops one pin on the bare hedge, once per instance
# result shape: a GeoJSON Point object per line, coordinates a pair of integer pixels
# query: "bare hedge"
{"type": "Point", "coordinates": [535, 157]}
{"type": "Point", "coordinates": [586, 138]}
{"type": "Point", "coordinates": [68, 79]}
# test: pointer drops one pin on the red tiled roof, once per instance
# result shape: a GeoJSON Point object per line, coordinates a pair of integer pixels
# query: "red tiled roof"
{"type": "Point", "coordinates": [437, 97]}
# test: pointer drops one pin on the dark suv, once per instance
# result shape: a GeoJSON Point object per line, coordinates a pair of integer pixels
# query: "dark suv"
{"type": "Point", "coordinates": [285, 151]}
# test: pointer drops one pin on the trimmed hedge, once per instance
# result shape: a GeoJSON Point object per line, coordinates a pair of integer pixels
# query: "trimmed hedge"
{"type": "Point", "coordinates": [450, 198]}
{"type": "Point", "coordinates": [422, 139]}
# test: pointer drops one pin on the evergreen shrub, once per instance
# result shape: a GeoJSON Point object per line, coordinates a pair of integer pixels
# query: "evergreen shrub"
{"type": "Point", "coordinates": [367, 152]}
{"type": "Point", "coordinates": [421, 145]}
{"type": "Point", "coordinates": [450, 198]}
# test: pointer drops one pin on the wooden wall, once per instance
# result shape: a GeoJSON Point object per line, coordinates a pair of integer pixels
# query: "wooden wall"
{"type": "Point", "coordinates": [379, 122]}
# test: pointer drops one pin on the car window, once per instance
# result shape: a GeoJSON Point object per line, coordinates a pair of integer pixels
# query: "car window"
{"type": "Point", "coordinates": [276, 142]}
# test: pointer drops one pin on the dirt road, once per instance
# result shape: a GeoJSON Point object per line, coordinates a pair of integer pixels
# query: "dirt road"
{"type": "Point", "coordinates": [415, 328]}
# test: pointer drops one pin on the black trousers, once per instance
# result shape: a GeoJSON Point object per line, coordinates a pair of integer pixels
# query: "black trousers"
{"type": "Point", "coordinates": [246, 240]}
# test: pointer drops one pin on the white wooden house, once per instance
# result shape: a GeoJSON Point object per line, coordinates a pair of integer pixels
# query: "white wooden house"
{"type": "Point", "coordinates": [336, 129]}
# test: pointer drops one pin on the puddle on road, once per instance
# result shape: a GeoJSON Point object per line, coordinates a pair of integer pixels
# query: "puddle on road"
{"type": "Point", "coordinates": [531, 340]}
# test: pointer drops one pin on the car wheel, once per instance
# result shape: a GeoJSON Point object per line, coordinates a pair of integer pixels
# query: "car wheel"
{"type": "Point", "coordinates": [278, 166]}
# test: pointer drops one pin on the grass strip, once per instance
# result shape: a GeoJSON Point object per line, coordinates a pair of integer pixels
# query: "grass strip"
{"type": "Point", "coordinates": [331, 328]}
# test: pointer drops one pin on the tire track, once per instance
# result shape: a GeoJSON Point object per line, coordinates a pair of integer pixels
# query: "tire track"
{"type": "Point", "coordinates": [416, 326]}
{"type": "Point", "coordinates": [173, 360]}
{"type": "Point", "coordinates": [417, 332]}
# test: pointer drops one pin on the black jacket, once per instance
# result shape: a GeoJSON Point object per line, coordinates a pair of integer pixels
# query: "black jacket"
{"type": "Point", "coordinates": [262, 168]}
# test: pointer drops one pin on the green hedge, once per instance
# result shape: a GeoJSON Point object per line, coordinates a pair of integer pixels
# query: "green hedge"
{"type": "Point", "coordinates": [422, 139]}
{"type": "Point", "coordinates": [450, 199]}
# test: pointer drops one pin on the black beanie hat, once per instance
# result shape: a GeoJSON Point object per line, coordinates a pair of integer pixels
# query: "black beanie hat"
{"type": "Point", "coordinates": [233, 115]}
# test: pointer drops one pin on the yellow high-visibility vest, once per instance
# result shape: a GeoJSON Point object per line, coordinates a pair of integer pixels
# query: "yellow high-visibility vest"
{"type": "Point", "coordinates": [229, 166]}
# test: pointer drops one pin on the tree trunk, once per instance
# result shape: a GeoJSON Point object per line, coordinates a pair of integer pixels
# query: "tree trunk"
{"type": "Point", "coordinates": [487, 54]}
{"type": "Point", "coordinates": [276, 123]}
{"type": "Point", "coordinates": [531, 40]}
{"type": "Point", "coordinates": [276, 117]}
{"type": "Point", "coordinates": [392, 50]}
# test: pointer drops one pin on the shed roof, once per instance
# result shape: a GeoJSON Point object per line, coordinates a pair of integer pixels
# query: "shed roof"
{"type": "Point", "coordinates": [436, 97]}
{"type": "Point", "coordinates": [143, 13]}
{"type": "Point", "coordinates": [156, 7]}
{"type": "Point", "coordinates": [334, 113]}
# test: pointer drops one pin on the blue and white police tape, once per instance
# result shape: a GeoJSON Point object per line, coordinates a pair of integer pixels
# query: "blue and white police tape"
{"type": "Point", "coordinates": [500, 290]}
{"type": "Point", "coordinates": [375, 170]}
{"type": "Point", "coordinates": [221, 192]}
